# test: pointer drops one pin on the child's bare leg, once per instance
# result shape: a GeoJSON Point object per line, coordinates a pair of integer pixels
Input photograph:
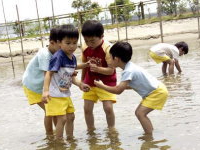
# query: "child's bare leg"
{"type": "Point", "coordinates": [88, 111]}
{"type": "Point", "coordinates": [171, 66]}
{"type": "Point", "coordinates": [110, 116]}
{"type": "Point", "coordinates": [47, 121]}
{"type": "Point", "coordinates": [141, 113]}
{"type": "Point", "coordinates": [61, 120]}
{"type": "Point", "coordinates": [69, 127]}
{"type": "Point", "coordinates": [164, 68]}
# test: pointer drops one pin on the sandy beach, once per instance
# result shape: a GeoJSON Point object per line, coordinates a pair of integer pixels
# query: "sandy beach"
{"type": "Point", "coordinates": [150, 33]}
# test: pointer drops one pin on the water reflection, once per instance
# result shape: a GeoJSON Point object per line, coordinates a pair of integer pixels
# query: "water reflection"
{"type": "Point", "coordinates": [50, 143]}
{"type": "Point", "coordinates": [178, 84]}
{"type": "Point", "coordinates": [150, 143]}
{"type": "Point", "coordinates": [111, 141]}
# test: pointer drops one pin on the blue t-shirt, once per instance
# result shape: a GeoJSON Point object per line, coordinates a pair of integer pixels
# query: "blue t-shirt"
{"type": "Point", "coordinates": [140, 80]}
{"type": "Point", "coordinates": [64, 68]}
{"type": "Point", "coordinates": [33, 77]}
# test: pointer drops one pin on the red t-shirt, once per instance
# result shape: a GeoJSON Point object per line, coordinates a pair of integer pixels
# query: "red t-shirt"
{"type": "Point", "coordinates": [99, 56]}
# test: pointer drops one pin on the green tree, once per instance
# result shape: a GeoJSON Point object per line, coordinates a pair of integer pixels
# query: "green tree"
{"type": "Point", "coordinates": [86, 10]}
{"type": "Point", "coordinates": [193, 6]}
{"type": "Point", "coordinates": [182, 7]}
{"type": "Point", "coordinates": [18, 28]}
{"type": "Point", "coordinates": [169, 7]}
{"type": "Point", "coordinates": [123, 8]}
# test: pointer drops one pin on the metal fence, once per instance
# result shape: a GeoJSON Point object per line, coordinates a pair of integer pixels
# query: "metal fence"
{"type": "Point", "coordinates": [40, 27]}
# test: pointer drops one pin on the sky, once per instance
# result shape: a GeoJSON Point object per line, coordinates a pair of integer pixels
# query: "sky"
{"type": "Point", "coordinates": [27, 8]}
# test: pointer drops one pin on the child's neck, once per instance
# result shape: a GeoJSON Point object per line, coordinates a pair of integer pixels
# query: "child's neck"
{"type": "Point", "coordinates": [122, 65]}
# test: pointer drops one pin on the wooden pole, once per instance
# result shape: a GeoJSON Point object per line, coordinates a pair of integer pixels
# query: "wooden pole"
{"type": "Point", "coordinates": [20, 33]}
{"type": "Point", "coordinates": [160, 18]}
{"type": "Point", "coordinates": [8, 39]}
{"type": "Point", "coordinates": [117, 21]}
{"type": "Point", "coordinates": [53, 13]}
{"type": "Point", "coordinates": [198, 18]}
{"type": "Point", "coordinates": [39, 23]}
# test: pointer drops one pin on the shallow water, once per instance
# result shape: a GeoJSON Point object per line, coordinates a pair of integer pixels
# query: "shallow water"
{"type": "Point", "coordinates": [177, 126]}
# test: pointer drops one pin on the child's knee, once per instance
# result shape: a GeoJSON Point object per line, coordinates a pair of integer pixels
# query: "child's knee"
{"type": "Point", "coordinates": [139, 113]}
{"type": "Point", "coordinates": [61, 119]}
{"type": "Point", "coordinates": [70, 117]}
{"type": "Point", "coordinates": [108, 109]}
{"type": "Point", "coordinates": [87, 110]}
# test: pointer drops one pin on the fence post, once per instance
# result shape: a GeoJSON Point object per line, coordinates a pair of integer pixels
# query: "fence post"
{"type": "Point", "coordinates": [160, 19]}
{"type": "Point", "coordinates": [20, 33]}
{"type": "Point", "coordinates": [11, 57]}
{"type": "Point", "coordinates": [53, 13]}
{"type": "Point", "coordinates": [198, 18]}
{"type": "Point", "coordinates": [117, 21]}
{"type": "Point", "coordinates": [39, 23]}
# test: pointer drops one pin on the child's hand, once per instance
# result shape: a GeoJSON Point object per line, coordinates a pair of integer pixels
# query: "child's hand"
{"type": "Point", "coordinates": [45, 97]}
{"type": "Point", "coordinates": [75, 73]}
{"type": "Point", "coordinates": [93, 68]}
{"type": "Point", "coordinates": [98, 83]}
{"type": "Point", "coordinates": [87, 64]}
{"type": "Point", "coordinates": [84, 87]}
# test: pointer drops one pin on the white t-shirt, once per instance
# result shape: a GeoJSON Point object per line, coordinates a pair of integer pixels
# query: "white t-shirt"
{"type": "Point", "coordinates": [140, 80]}
{"type": "Point", "coordinates": [163, 49]}
{"type": "Point", "coordinates": [33, 77]}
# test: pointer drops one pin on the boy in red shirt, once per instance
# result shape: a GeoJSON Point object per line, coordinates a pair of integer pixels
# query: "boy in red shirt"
{"type": "Point", "coordinates": [96, 51]}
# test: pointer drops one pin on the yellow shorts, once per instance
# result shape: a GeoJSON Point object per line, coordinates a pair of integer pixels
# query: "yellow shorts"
{"type": "Point", "coordinates": [33, 97]}
{"type": "Point", "coordinates": [157, 98]}
{"type": "Point", "coordinates": [96, 94]}
{"type": "Point", "coordinates": [59, 106]}
{"type": "Point", "coordinates": [158, 59]}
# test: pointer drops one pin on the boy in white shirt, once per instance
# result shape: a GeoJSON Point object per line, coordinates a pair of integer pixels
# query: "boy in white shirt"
{"type": "Point", "coordinates": [154, 93]}
{"type": "Point", "coordinates": [168, 54]}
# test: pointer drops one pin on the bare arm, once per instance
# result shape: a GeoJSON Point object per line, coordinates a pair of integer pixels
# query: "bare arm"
{"type": "Point", "coordinates": [101, 70]}
{"type": "Point", "coordinates": [118, 89]}
{"type": "Point", "coordinates": [177, 66]}
{"type": "Point", "coordinates": [83, 65]}
{"type": "Point", "coordinates": [84, 87]}
{"type": "Point", "coordinates": [47, 80]}
{"type": "Point", "coordinates": [83, 74]}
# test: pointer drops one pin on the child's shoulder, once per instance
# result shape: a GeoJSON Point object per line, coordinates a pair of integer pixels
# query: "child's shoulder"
{"type": "Point", "coordinates": [43, 53]}
{"type": "Point", "coordinates": [106, 45]}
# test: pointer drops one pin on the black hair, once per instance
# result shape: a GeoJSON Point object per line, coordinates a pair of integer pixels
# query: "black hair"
{"type": "Point", "coordinates": [54, 34]}
{"type": "Point", "coordinates": [92, 28]}
{"type": "Point", "coordinates": [122, 50]}
{"type": "Point", "coordinates": [182, 45]}
{"type": "Point", "coordinates": [67, 30]}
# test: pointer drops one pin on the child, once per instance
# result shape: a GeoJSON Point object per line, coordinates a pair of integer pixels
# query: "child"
{"type": "Point", "coordinates": [58, 80]}
{"type": "Point", "coordinates": [168, 54]}
{"type": "Point", "coordinates": [96, 52]}
{"type": "Point", "coordinates": [152, 91]}
{"type": "Point", "coordinates": [33, 76]}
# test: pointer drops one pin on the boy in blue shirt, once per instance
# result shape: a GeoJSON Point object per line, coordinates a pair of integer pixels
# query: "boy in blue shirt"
{"type": "Point", "coordinates": [33, 76]}
{"type": "Point", "coordinates": [58, 80]}
{"type": "Point", "coordinates": [153, 92]}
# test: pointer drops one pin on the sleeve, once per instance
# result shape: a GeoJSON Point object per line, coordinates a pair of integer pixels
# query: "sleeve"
{"type": "Point", "coordinates": [55, 63]}
{"type": "Point", "coordinates": [75, 60]}
{"type": "Point", "coordinates": [43, 60]}
{"type": "Point", "coordinates": [126, 75]}
{"type": "Point", "coordinates": [83, 58]}
{"type": "Point", "coordinates": [107, 52]}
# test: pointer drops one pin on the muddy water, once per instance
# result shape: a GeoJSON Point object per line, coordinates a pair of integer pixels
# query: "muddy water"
{"type": "Point", "coordinates": [177, 126]}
